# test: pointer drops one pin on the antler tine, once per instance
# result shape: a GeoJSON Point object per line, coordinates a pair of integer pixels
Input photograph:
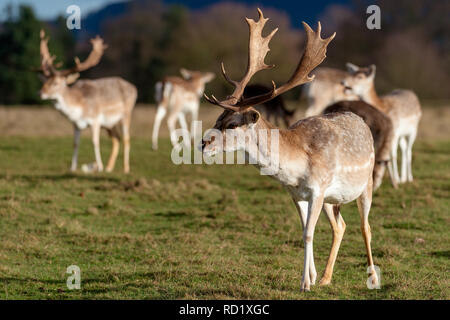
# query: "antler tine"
{"type": "Point", "coordinates": [258, 47]}
{"type": "Point", "coordinates": [315, 53]}
{"type": "Point", "coordinates": [46, 58]}
{"type": "Point", "coordinates": [94, 57]}
{"type": "Point", "coordinates": [213, 100]}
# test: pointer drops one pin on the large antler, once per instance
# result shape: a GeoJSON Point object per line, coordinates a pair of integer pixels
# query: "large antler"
{"type": "Point", "coordinates": [258, 46]}
{"type": "Point", "coordinates": [46, 59]}
{"type": "Point", "coordinates": [98, 48]}
{"type": "Point", "coordinates": [315, 53]}
{"type": "Point", "coordinates": [47, 67]}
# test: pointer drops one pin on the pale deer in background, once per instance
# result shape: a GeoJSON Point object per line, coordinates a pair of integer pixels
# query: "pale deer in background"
{"type": "Point", "coordinates": [274, 109]}
{"type": "Point", "coordinates": [401, 106]}
{"type": "Point", "coordinates": [324, 161]}
{"type": "Point", "coordinates": [176, 97]}
{"type": "Point", "coordinates": [382, 132]}
{"type": "Point", "coordinates": [325, 90]}
{"type": "Point", "coordinates": [101, 103]}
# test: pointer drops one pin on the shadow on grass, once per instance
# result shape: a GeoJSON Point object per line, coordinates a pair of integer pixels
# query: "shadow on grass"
{"type": "Point", "coordinates": [60, 177]}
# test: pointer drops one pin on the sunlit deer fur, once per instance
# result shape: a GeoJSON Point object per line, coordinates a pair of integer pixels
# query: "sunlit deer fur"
{"type": "Point", "coordinates": [274, 109]}
{"type": "Point", "coordinates": [325, 90]}
{"type": "Point", "coordinates": [382, 132]}
{"type": "Point", "coordinates": [401, 106]}
{"type": "Point", "coordinates": [176, 97]}
{"type": "Point", "coordinates": [101, 103]}
{"type": "Point", "coordinates": [324, 161]}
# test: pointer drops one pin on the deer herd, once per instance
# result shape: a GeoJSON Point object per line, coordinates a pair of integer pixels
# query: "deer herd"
{"type": "Point", "coordinates": [335, 155]}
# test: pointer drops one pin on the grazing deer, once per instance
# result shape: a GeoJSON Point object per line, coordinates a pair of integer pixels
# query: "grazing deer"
{"type": "Point", "coordinates": [177, 97]}
{"type": "Point", "coordinates": [324, 161]}
{"type": "Point", "coordinates": [271, 109]}
{"type": "Point", "coordinates": [325, 90]}
{"type": "Point", "coordinates": [401, 106]}
{"type": "Point", "coordinates": [100, 103]}
{"type": "Point", "coordinates": [382, 132]}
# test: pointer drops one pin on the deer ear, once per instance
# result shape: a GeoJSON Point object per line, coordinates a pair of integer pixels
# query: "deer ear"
{"type": "Point", "coordinates": [209, 76]}
{"type": "Point", "coordinates": [372, 70]}
{"type": "Point", "coordinates": [352, 68]}
{"type": "Point", "coordinates": [71, 78]}
{"type": "Point", "coordinates": [186, 74]}
{"type": "Point", "coordinates": [252, 116]}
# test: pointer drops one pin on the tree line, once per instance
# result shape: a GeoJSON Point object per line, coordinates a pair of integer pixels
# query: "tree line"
{"type": "Point", "coordinates": [151, 40]}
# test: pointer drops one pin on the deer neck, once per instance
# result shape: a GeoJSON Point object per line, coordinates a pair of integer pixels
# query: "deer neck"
{"type": "Point", "coordinates": [372, 98]}
{"type": "Point", "coordinates": [68, 102]}
{"type": "Point", "coordinates": [277, 151]}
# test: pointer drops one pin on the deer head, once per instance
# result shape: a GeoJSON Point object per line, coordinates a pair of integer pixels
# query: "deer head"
{"type": "Point", "coordinates": [360, 79]}
{"type": "Point", "coordinates": [55, 80]}
{"type": "Point", "coordinates": [239, 113]}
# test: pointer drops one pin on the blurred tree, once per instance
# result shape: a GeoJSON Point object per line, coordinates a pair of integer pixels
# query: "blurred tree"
{"type": "Point", "coordinates": [19, 52]}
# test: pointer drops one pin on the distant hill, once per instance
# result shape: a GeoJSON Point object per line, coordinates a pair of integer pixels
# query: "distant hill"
{"type": "Point", "coordinates": [297, 10]}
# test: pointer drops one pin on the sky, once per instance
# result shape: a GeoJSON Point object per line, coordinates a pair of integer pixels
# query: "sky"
{"type": "Point", "coordinates": [49, 9]}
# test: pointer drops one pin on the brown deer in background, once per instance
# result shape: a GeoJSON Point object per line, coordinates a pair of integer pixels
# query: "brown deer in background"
{"type": "Point", "coordinates": [382, 132]}
{"type": "Point", "coordinates": [324, 161]}
{"type": "Point", "coordinates": [274, 109]}
{"type": "Point", "coordinates": [401, 106]}
{"type": "Point", "coordinates": [176, 97]}
{"type": "Point", "coordinates": [101, 103]}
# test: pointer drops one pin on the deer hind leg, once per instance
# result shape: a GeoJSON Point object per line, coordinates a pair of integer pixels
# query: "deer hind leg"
{"type": "Point", "coordinates": [126, 143]}
{"type": "Point", "coordinates": [76, 145]}
{"type": "Point", "coordinates": [194, 118]}
{"type": "Point", "coordinates": [302, 208]}
{"type": "Point", "coordinates": [403, 147]}
{"type": "Point", "coordinates": [364, 203]}
{"type": "Point", "coordinates": [115, 136]}
{"type": "Point", "coordinates": [160, 114]}
{"type": "Point", "coordinates": [314, 207]}
{"type": "Point", "coordinates": [96, 143]}
{"type": "Point", "coordinates": [338, 226]}
{"type": "Point", "coordinates": [393, 169]}
{"type": "Point", "coordinates": [411, 140]}
{"type": "Point", "coordinates": [171, 123]}
{"type": "Point", "coordinates": [183, 124]}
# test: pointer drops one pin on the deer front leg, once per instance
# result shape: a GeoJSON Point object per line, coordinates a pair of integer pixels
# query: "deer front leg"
{"type": "Point", "coordinates": [302, 208]}
{"type": "Point", "coordinates": [96, 143]}
{"type": "Point", "coordinates": [76, 144]}
{"type": "Point", "coordinates": [338, 226]}
{"type": "Point", "coordinates": [314, 207]}
{"type": "Point", "coordinates": [160, 114]}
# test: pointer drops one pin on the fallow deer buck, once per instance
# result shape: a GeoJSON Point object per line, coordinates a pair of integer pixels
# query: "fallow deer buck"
{"type": "Point", "coordinates": [101, 103]}
{"type": "Point", "coordinates": [177, 97]}
{"type": "Point", "coordinates": [382, 132]}
{"type": "Point", "coordinates": [401, 106]}
{"type": "Point", "coordinates": [325, 90]}
{"type": "Point", "coordinates": [324, 161]}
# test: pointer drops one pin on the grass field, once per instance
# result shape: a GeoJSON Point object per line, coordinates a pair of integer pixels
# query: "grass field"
{"type": "Point", "coordinates": [201, 232]}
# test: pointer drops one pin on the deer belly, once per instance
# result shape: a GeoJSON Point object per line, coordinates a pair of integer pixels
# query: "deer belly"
{"type": "Point", "coordinates": [346, 186]}
{"type": "Point", "coordinates": [109, 121]}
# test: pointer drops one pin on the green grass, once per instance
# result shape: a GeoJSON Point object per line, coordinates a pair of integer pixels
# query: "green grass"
{"type": "Point", "coordinates": [201, 232]}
